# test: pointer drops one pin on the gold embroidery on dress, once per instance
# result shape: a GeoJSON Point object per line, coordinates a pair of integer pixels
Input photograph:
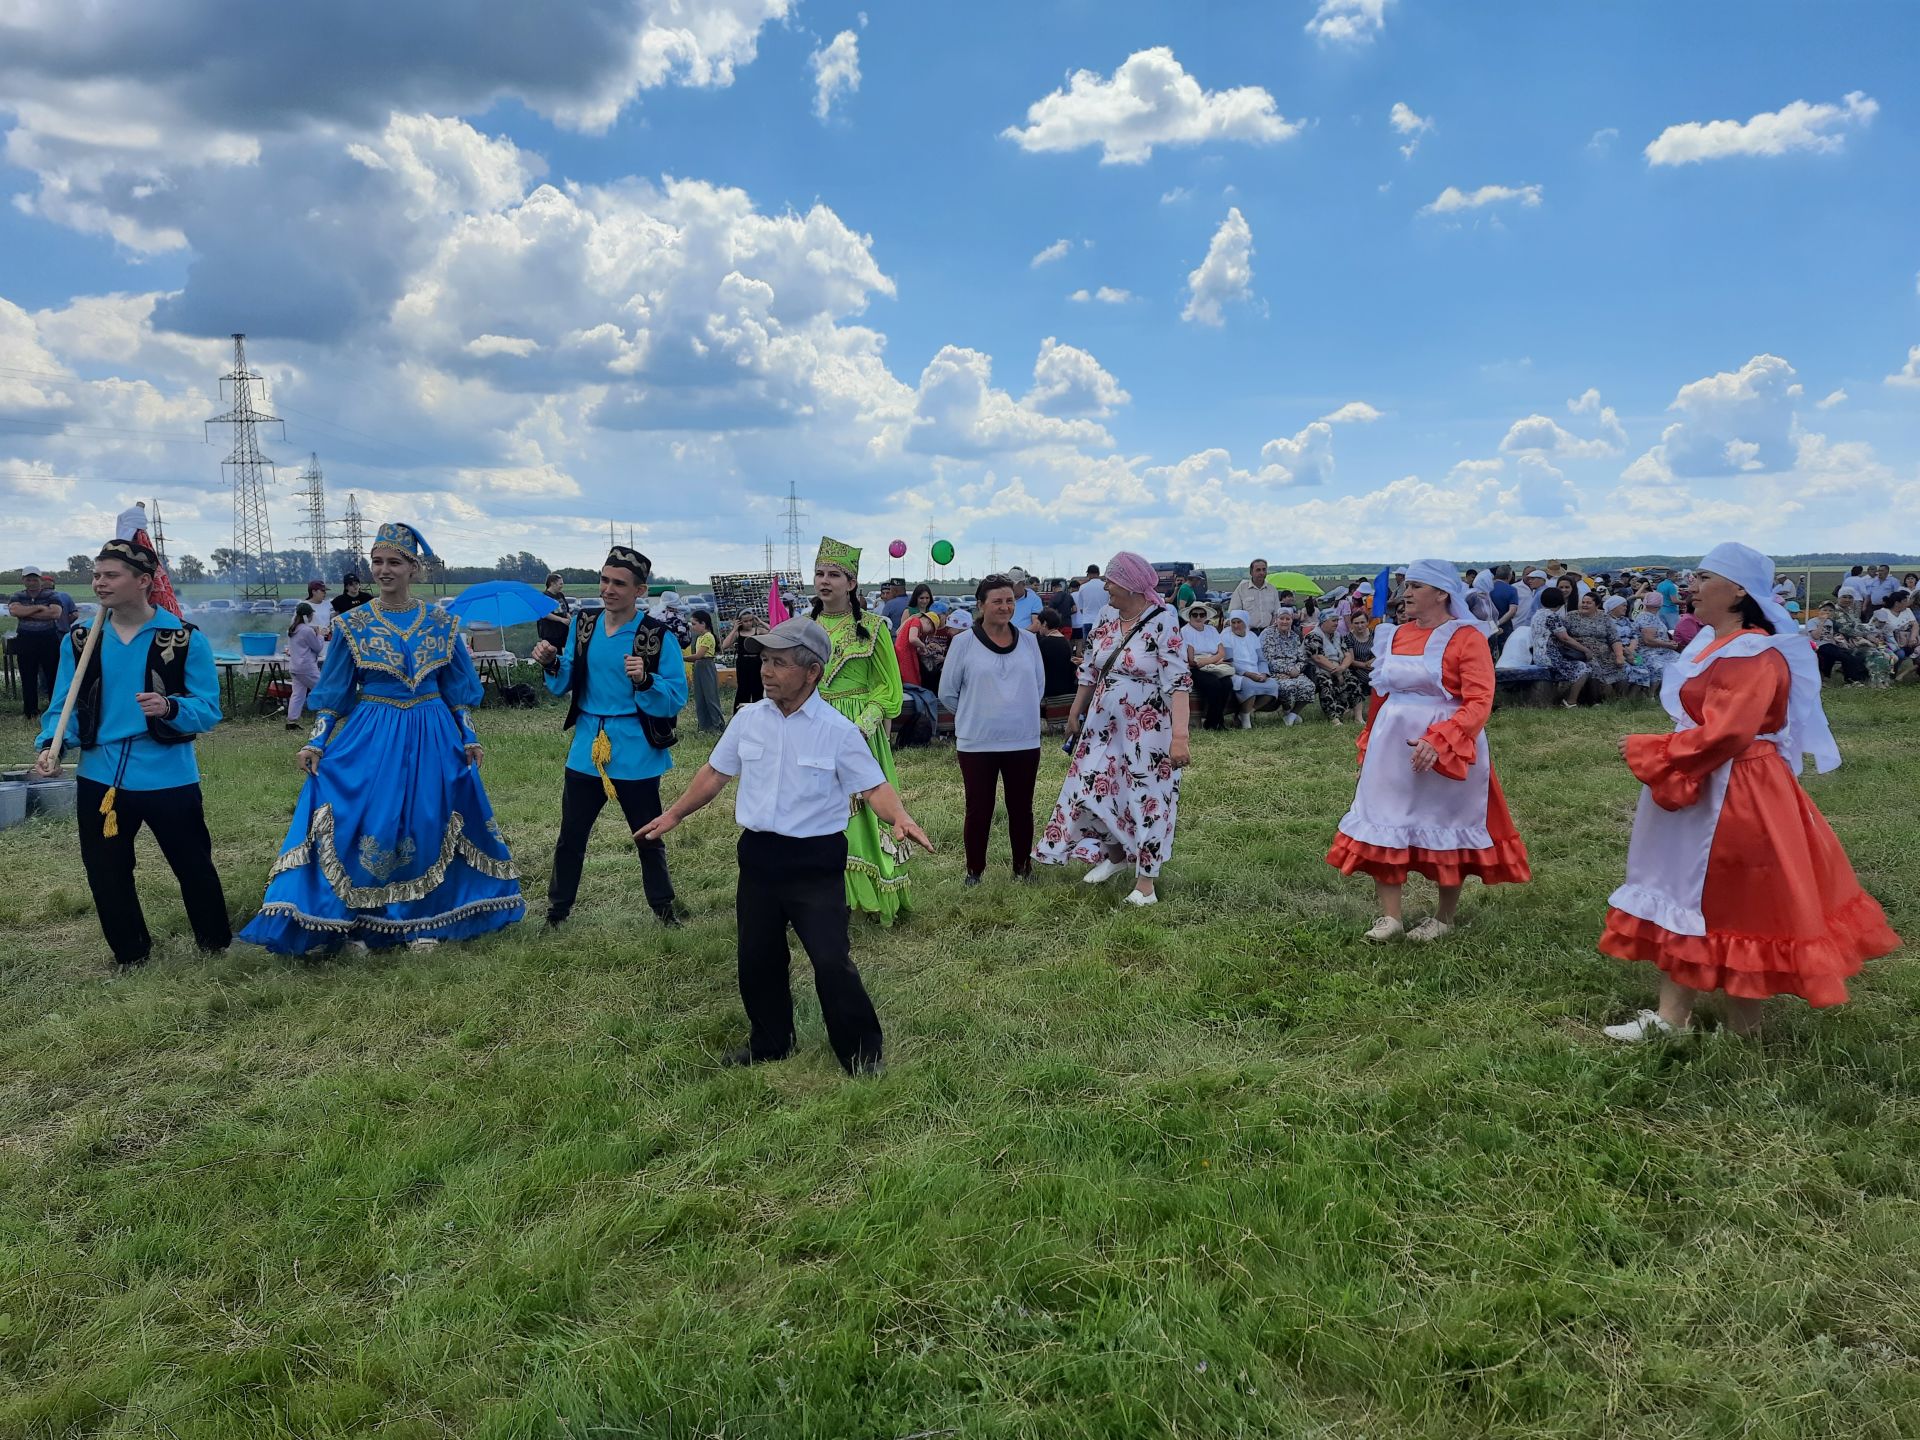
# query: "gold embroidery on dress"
{"type": "Point", "coordinates": [380, 862]}
{"type": "Point", "coordinates": [453, 841]}
{"type": "Point", "coordinates": [371, 643]}
{"type": "Point", "coordinates": [844, 649]}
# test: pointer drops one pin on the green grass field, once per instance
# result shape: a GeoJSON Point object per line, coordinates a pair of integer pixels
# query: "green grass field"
{"type": "Point", "coordinates": [1215, 1169]}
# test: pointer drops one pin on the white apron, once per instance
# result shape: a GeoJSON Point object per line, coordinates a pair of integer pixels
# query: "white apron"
{"type": "Point", "coordinates": [1667, 857]}
{"type": "Point", "coordinates": [1395, 807]}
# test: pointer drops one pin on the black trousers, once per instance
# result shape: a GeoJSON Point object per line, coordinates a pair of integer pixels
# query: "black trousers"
{"type": "Point", "coordinates": [581, 801]}
{"type": "Point", "coordinates": [179, 826]}
{"type": "Point", "coordinates": [38, 652]}
{"type": "Point", "coordinates": [802, 883]}
{"type": "Point", "coordinates": [1853, 665]}
{"type": "Point", "coordinates": [1215, 692]}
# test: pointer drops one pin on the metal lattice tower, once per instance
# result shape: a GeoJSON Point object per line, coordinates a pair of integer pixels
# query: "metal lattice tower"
{"type": "Point", "coordinates": [252, 539]}
{"type": "Point", "coordinates": [794, 516]}
{"type": "Point", "coordinates": [315, 494]}
{"type": "Point", "coordinates": [158, 534]}
{"type": "Point", "coordinates": [355, 524]}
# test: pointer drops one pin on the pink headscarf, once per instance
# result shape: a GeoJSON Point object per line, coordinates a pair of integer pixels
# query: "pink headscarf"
{"type": "Point", "coordinates": [1130, 572]}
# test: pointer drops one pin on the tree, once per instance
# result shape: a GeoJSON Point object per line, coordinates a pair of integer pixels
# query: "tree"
{"type": "Point", "coordinates": [524, 566]}
{"type": "Point", "coordinates": [80, 567]}
{"type": "Point", "coordinates": [230, 564]}
{"type": "Point", "coordinates": [189, 570]}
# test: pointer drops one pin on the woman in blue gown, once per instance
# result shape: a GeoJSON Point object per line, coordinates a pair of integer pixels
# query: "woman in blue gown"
{"type": "Point", "coordinates": [392, 838]}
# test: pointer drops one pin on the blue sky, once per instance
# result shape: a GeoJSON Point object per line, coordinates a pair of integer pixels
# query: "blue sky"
{"type": "Point", "coordinates": [1634, 277]}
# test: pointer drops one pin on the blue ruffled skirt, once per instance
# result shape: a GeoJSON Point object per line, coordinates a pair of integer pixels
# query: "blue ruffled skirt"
{"type": "Point", "coordinates": [394, 840]}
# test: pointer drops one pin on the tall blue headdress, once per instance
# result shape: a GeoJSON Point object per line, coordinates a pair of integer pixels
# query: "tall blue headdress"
{"type": "Point", "coordinates": [405, 538]}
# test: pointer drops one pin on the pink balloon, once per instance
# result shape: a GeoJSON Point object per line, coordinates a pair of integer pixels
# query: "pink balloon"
{"type": "Point", "coordinates": [897, 549]}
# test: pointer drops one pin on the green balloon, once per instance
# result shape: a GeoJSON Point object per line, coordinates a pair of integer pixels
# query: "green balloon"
{"type": "Point", "coordinates": [943, 552]}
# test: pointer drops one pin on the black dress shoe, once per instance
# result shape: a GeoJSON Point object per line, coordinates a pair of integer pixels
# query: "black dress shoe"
{"type": "Point", "coordinates": [556, 918]}
{"type": "Point", "coordinates": [971, 880]}
{"type": "Point", "coordinates": [867, 1067]}
{"type": "Point", "coordinates": [745, 1056]}
{"type": "Point", "coordinates": [667, 916]}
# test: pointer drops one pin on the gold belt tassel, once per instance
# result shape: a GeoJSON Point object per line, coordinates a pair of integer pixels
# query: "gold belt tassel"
{"type": "Point", "coordinates": [602, 753]}
{"type": "Point", "coordinates": [109, 827]}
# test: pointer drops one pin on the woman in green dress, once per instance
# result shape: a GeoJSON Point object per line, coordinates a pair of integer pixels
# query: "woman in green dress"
{"type": "Point", "coordinates": [863, 684]}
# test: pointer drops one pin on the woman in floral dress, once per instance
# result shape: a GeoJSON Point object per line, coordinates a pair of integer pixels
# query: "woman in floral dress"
{"type": "Point", "coordinates": [1286, 659]}
{"type": "Point", "coordinates": [1337, 676]}
{"type": "Point", "coordinates": [863, 684]}
{"type": "Point", "coordinates": [1121, 796]}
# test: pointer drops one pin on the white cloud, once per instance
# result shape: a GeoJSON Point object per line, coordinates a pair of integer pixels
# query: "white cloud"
{"type": "Point", "coordinates": [1354, 412]}
{"type": "Point", "coordinates": [1105, 295]}
{"type": "Point", "coordinates": [1176, 195]}
{"type": "Point", "coordinates": [1306, 459]}
{"type": "Point", "coordinates": [1602, 140]}
{"type": "Point", "coordinates": [1453, 199]}
{"type": "Point", "coordinates": [1413, 126]}
{"type": "Point", "coordinates": [958, 412]}
{"type": "Point", "coordinates": [1347, 22]}
{"type": "Point", "coordinates": [1058, 250]}
{"type": "Point", "coordinates": [1820, 129]}
{"type": "Point", "coordinates": [1908, 374]}
{"type": "Point", "coordinates": [1838, 397]}
{"type": "Point", "coordinates": [1542, 491]}
{"type": "Point", "coordinates": [1540, 435]}
{"type": "Point", "coordinates": [1730, 423]}
{"type": "Point", "coordinates": [836, 72]}
{"type": "Point", "coordinates": [1149, 101]}
{"type": "Point", "coordinates": [1225, 275]}
{"type": "Point", "coordinates": [483, 346]}
{"type": "Point", "coordinates": [1070, 382]}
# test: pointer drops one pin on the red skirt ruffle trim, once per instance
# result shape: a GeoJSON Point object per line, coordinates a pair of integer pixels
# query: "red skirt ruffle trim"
{"type": "Point", "coordinates": [1502, 863]}
{"type": "Point", "coordinates": [1753, 967]}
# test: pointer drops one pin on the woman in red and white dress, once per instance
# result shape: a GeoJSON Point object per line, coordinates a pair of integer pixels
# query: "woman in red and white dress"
{"type": "Point", "coordinates": [1735, 881]}
{"type": "Point", "coordinates": [1428, 800]}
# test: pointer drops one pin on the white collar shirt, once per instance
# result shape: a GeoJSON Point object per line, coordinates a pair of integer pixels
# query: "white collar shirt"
{"type": "Point", "coordinates": [798, 773]}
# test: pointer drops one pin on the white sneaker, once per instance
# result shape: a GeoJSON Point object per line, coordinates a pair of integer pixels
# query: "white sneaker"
{"type": "Point", "coordinates": [1293, 717]}
{"type": "Point", "coordinates": [1105, 870]}
{"type": "Point", "coordinates": [1430, 929]}
{"type": "Point", "coordinates": [358, 947]}
{"type": "Point", "coordinates": [1246, 722]}
{"type": "Point", "coordinates": [425, 942]}
{"type": "Point", "coordinates": [1386, 928]}
{"type": "Point", "coordinates": [1647, 1025]}
{"type": "Point", "coordinates": [1134, 897]}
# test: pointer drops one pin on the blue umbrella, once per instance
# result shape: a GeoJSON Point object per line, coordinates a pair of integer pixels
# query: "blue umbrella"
{"type": "Point", "coordinates": [496, 604]}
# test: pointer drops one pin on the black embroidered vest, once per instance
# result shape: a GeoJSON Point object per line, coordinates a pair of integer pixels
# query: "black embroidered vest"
{"type": "Point", "coordinates": [166, 675]}
{"type": "Point", "coordinates": [660, 730]}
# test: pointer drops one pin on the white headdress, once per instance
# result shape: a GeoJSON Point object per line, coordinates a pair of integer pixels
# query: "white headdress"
{"type": "Point", "coordinates": [1807, 730]}
{"type": "Point", "coordinates": [1441, 575]}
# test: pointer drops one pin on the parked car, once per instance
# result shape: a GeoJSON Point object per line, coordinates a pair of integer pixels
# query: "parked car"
{"type": "Point", "coordinates": [215, 607]}
{"type": "Point", "coordinates": [262, 607]}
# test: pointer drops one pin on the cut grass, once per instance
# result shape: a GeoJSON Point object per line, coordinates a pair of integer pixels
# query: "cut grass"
{"type": "Point", "coordinates": [1215, 1169]}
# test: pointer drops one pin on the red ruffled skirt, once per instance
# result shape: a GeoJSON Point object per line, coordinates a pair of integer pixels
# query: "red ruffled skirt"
{"type": "Point", "coordinates": [1504, 862]}
{"type": "Point", "coordinates": [1785, 914]}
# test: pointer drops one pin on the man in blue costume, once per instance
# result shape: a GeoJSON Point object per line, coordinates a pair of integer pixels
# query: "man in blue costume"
{"type": "Point", "coordinates": [148, 688]}
{"type": "Point", "coordinates": [623, 675]}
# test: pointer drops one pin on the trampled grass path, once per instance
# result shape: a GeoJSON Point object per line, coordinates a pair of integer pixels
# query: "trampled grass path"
{"type": "Point", "coordinates": [1215, 1169]}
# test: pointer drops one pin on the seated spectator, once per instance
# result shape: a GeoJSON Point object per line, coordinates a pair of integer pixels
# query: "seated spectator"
{"type": "Point", "coordinates": [1284, 654]}
{"type": "Point", "coordinates": [1341, 686]}
{"type": "Point", "coordinates": [1658, 648]}
{"type": "Point", "coordinates": [1626, 632]}
{"type": "Point", "coordinates": [1212, 675]}
{"type": "Point", "coordinates": [1591, 627]}
{"type": "Point", "coordinates": [1055, 634]}
{"type": "Point", "coordinates": [1860, 652]}
{"type": "Point", "coordinates": [1360, 640]}
{"type": "Point", "coordinates": [1836, 649]}
{"type": "Point", "coordinates": [1559, 651]}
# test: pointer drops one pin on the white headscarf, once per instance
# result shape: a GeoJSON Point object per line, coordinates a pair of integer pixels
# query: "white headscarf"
{"type": "Point", "coordinates": [1233, 615]}
{"type": "Point", "coordinates": [1807, 730]}
{"type": "Point", "coordinates": [1443, 576]}
{"type": "Point", "coordinates": [1613, 603]}
{"type": "Point", "coordinates": [1484, 580]}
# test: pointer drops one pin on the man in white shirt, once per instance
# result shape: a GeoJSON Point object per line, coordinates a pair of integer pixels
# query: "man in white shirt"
{"type": "Point", "coordinates": [1253, 595]}
{"type": "Point", "coordinates": [1784, 589]}
{"type": "Point", "coordinates": [1088, 601]}
{"type": "Point", "coordinates": [1881, 585]}
{"type": "Point", "coordinates": [800, 764]}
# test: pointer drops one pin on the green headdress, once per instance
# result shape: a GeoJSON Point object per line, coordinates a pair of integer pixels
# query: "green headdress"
{"type": "Point", "coordinates": [838, 554]}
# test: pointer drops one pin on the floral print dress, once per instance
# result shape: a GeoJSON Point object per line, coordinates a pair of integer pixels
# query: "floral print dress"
{"type": "Point", "coordinates": [1340, 690]}
{"type": "Point", "coordinates": [1122, 792]}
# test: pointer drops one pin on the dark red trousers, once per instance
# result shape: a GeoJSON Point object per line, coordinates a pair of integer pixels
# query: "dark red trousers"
{"type": "Point", "coordinates": [983, 772]}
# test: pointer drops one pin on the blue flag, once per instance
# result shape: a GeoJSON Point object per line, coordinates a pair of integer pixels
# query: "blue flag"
{"type": "Point", "coordinates": [1380, 594]}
